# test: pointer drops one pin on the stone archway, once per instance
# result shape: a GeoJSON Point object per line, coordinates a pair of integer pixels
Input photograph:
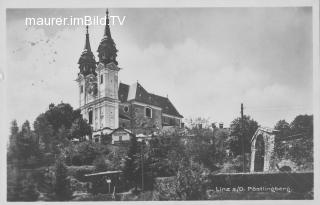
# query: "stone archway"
{"type": "Point", "coordinates": [262, 145]}
{"type": "Point", "coordinates": [259, 154]}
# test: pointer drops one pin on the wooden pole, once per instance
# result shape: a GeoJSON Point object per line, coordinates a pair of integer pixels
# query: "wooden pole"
{"type": "Point", "coordinates": [242, 139]}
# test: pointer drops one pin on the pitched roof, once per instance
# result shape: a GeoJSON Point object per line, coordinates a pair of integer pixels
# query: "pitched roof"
{"type": "Point", "coordinates": [123, 92]}
{"type": "Point", "coordinates": [137, 93]}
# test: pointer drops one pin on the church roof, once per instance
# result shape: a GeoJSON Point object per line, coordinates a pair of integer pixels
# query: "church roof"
{"type": "Point", "coordinates": [87, 63]}
{"type": "Point", "coordinates": [137, 93]}
{"type": "Point", "coordinates": [107, 51]}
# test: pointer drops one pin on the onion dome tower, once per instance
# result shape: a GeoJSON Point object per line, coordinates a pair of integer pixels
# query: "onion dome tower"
{"type": "Point", "coordinates": [107, 51]}
{"type": "Point", "coordinates": [87, 62]}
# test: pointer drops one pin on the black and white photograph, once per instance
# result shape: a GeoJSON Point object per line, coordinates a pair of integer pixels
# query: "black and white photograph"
{"type": "Point", "coordinates": [160, 103]}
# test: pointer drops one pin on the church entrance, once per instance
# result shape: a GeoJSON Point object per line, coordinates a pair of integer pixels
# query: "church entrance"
{"type": "Point", "coordinates": [259, 155]}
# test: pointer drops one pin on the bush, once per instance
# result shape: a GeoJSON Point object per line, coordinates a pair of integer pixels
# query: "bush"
{"type": "Point", "coordinates": [84, 153]}
{"type": "Point", "coordinates": [101, 163]}
{"type": "Point", "coordinates": [192, 181]}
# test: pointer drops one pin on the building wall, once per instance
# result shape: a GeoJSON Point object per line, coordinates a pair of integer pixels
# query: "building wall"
{"type": "Point", "coordinates": [171, 121]}
{"type": "Point", "coordinates": [144, 124]}
{"type": "Point", "coordinates": [105, 113]}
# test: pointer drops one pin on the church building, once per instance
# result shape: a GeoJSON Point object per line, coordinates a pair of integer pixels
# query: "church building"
{"type": "Point", "coordinates": [118, 110]}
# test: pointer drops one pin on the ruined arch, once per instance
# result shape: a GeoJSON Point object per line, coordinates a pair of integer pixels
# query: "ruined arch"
{"type": "Point", "coordinates": [262, 148]}
{"type": "Point", "coordinates": [259, 154]}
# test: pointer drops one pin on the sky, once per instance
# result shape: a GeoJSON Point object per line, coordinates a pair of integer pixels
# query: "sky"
{"type": "Point", "coordinates": [206, 60]}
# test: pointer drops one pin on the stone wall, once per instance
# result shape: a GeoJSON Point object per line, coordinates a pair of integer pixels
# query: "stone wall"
{"type": "Point", "coordinates": [143, 124]}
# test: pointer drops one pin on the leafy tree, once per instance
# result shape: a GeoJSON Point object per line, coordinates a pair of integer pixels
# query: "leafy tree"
{"type": "Point", "coordinates": [62, 188]}
{"type": "Point", "coordinates": [249, 128]}
{"type": "Point", "coordinates": [302, 124]}
{"type": "Point", "coordinates": [61, 114]}
{"type": "Point", "coordinates": [192, 179]}
{"type": "Point", "coordinates": [45, 133]}
{"type": "Point", "coordinates": [130, 169]}
{"type": "Point", "coordinates": [79, 129]}
{"type": "Point", "coordinates": [302, 149]}
{"type": "Point", "coordinates": [220, 142]}
{"type": "Point", "coordinates": [58, 123]}
{"type": "Point", "coordinates": [284, 129]}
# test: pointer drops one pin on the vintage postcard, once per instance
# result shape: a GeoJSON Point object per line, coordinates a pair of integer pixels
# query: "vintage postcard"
{"type": "Point", "coordinates": [160, 102]}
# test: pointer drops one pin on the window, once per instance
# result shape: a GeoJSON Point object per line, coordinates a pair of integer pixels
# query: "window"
{"type": "Point", "coordinates": [101, 79]}
{"type": "Point", "coordinates": [90, 117]}
{"type": "Point", "coordinates": [148, 112]}
{"type": "Point", "coordinates": [81, 89]}
{"type": "Point", "coordinates": [126, 109]}
{"type": "Point", "coordinates": [96, 113]}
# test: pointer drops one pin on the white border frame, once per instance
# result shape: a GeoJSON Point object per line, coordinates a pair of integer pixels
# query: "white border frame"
{"type": "Point", "coordinates": [160, 4]}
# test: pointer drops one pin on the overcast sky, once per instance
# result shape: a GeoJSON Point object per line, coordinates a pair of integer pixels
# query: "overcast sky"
{"type": "Point", "coordinates": [207, 60]}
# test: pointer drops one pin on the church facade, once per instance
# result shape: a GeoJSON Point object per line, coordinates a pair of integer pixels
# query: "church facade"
{"type": "Point", "coordinates": [112, 108]}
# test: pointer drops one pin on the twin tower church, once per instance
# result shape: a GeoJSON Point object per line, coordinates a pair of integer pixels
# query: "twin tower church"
{"type": "Point", "coordinates": [117, 109]}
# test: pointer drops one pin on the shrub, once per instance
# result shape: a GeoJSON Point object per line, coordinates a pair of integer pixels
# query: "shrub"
{"type": "Point", "coordinates": [102, 164]}
{"type": "Point", "coordinates": [192, 181]}
{"type": "Point", "coordinates": [84, 153]}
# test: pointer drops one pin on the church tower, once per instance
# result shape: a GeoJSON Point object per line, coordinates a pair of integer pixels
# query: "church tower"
{"type": "Point", "coordinates": [98, 85]}
{"type": "Point", "coordinates": [107, 74]}
{"type": "Point", "coordinates": [87, 80]}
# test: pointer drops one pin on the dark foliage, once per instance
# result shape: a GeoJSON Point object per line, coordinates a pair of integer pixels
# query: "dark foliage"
{"type": "Point", "coordinates": [62, 188]}
{"type": "Point", "coordinates": [131, 162]}
{"type": "Point", "coordinates": [237, 132]}
{"type": "Point", "coordinates": [299, 149]}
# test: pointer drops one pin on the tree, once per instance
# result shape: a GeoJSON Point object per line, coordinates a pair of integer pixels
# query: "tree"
{"type": "Point", "coordinates": [59, 123]}
{"type": "Point", "coordinates": [79, 129]}
{"type": "Point", "coordinates": [302, 149]}
{"type": "Point", "coordinates": [12, 148]}
{"type": "Point", "coordinates": [23, 144]}
{"type": "Point", "coordinates": [302, 124]}
{"type": "Point", "coordinates": [299, 149]}
{"type": "Point", "coordinates": [192, 180]}
{"type": "Point", "coordinates": [61, 182]}
{"type": "Point", "coordinates": [45, 133]}
{"type": "Point", "coordinates": [249, 128]}
{"type": "Point", "coordinates": [284, 129]}
{"type": "Point", "coordinates": [130, 170]}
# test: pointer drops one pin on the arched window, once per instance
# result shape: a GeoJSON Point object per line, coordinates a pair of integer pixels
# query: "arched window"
{"type": "Point", "coordinates": [90, 117]}
{"type": "Point", "coordinates": [148, 112]}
